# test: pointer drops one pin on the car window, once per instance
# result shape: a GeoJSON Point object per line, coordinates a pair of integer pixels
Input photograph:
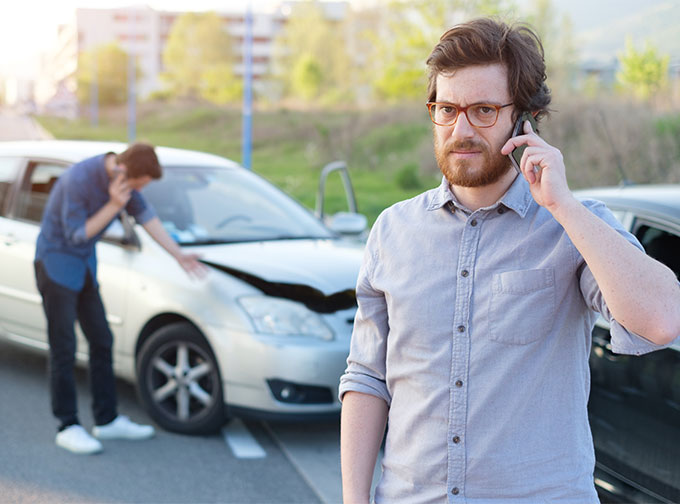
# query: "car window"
{"type": "Point", "coordinates": [39, 180]}
{"type": "Point", "coordinates": [635, 400]}
{"type": "Point", "coordinates": [8, 173]}
{"type": "Point", "coordinates": [217, 205]}
{"type": "Point", "coordinates": [662, 245]}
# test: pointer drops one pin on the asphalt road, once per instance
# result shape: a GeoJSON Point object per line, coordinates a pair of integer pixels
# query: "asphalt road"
{"type": "Point", "coordinates": [168, 468]}
{"type": "Point", "coordinates": [14, 126]}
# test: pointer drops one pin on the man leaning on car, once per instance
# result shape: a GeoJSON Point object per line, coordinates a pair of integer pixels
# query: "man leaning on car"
{"type": "Point", "coordinates": [82, 204]}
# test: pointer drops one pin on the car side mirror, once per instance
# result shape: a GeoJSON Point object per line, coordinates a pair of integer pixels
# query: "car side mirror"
{"type": "Point", "coordinates": [348, 223]}
{"type": "Point", "coordinates": [121, 231]}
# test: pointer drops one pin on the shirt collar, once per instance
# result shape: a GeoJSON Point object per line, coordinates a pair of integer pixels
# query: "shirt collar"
{"type": "Point", "coordinates": [102, 174]}
{"type": "Point", "coordinates": [517, 198]}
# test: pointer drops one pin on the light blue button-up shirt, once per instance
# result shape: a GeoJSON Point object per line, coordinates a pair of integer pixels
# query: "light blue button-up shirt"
{"type": "Point", "coordinates": [475, 328]}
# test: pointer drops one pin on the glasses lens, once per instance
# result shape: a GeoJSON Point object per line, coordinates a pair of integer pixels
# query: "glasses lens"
{"type": "Point", "coordinates": [444, 114]}
{"type": "Point", "coordinates": [482, 115]}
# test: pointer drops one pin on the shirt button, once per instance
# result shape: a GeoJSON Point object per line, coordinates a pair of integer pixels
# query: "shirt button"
{"type": "Point", "coordinates": [456, 439]}
{"type": "Point", "coordinates": [459, 383]}
{"type": "Point", "coordinates": [501, 210]}
{"type": "Point", "coordinates": [464, 273]}
{"type": "Point", "coordinates": [455, 491]}
{"type": "Point", "coordinates": [461, 328]}
{"type": "Point", "coordinates": [473, 222]}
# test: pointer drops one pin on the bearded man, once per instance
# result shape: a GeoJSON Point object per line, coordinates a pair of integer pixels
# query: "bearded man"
{"type": "Point", "coordinates": [477, 301]}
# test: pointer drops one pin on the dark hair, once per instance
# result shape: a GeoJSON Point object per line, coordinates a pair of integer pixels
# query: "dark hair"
{"type": "Point", "coordinates": [140, 159]}
{"type": "Point", "coordinates": [486, 41]}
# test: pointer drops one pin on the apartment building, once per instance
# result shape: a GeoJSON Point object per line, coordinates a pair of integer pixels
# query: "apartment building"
{"type": "Point", "coordinates": [143, 31]}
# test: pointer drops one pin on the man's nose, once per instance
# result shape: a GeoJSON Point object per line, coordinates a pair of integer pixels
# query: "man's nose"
{"type": "Point", "coordinates": [462, 128]}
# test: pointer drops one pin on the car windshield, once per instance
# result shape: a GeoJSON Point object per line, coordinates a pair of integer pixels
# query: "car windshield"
{"type": "Point", "coordinates": [205, 205]}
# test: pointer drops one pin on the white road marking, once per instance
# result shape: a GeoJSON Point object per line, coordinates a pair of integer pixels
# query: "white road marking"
{"type": "Point", "coordinates": [241, 441]}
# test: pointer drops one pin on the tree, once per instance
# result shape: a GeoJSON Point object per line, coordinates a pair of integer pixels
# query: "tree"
{"type": "Point", "coordinates": [198, 49]}
{"type": "Point", "coordinates": [311, 59]}
{"type": "Point", "coordinates": [557, 39]}
{"type": "Point", "coordinates": [218, 84]}
{"type": "Point", "coordinates": [643, 72]}
{"type": "Point", "coordinates": [110, 64]}
{"type": "Point", "coordinates": [409, 31]}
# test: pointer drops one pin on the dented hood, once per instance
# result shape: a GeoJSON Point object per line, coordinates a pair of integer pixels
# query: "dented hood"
{"type": "Point", "coordinates": [320, 273]}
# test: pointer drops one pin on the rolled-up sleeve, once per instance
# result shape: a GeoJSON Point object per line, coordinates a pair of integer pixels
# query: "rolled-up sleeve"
{"type": "Point", "coordinates": [140, 208]}
{"type": "Point", "coordinates": [73, 214]}
{"type": "Point", "coordinates": [366, 363]}
{"type": "Point", "coordinates": [623, 341]}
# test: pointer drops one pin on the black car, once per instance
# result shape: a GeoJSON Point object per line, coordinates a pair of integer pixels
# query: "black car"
{"type": "Point", "coordinates": [635, 400]}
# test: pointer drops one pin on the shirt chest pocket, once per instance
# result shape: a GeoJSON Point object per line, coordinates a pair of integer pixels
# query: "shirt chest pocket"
{"type": "Point", "coordinates": [522, 305]}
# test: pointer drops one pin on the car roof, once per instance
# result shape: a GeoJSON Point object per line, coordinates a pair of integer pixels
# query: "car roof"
{"type": "Point", "coordinates": [663, 199]}
{"type": "Point", "coordinates": [75, 150]}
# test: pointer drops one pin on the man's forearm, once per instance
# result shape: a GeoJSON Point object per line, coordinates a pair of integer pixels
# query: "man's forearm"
{"type": "Point", "coordinates": [362, 429]}
{"type": "Point", "coordinates": [100, 219]}
{"type": "Point", "coordinates": [641, 293]}
{"type": "Point", "coordinates": [155, 228]}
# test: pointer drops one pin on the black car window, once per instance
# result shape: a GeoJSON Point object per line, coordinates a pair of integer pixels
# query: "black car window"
{"type": "Point", "coordinates": [38, 182]}
{"type": "Point", "coordinates": [634, 402]}
{"type": "Point", "coordinates": [8, 173]}
{"type": "Point", "coordinates": [662, 245]}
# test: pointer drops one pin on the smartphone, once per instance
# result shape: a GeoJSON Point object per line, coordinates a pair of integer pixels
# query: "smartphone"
{"type": "Point", "coordinates": [516, 154]}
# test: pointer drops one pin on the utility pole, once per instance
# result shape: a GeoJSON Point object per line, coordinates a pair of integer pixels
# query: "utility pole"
{"type": "Point", "coordinates": [247, 123]}
{"type": "Point", "coordinates": [132, 91]}
{"type": "Point", "coordinates": [94, 92]}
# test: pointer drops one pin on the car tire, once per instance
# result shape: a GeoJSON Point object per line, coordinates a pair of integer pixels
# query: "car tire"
{"type": "Point", "coordinates": [179, 381]}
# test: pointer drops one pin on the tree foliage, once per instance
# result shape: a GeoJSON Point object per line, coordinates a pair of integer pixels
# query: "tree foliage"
{"type": "Point", "coordinates": [644, 72]}
{"type": "Point", "coordinates": [408, 32]}
{"type": "Point", "coordinates": [312, 60]}
{"type": "Point", "coordinates": [198, 58]}
{"type": "Point", "coordinates": [108, 64]}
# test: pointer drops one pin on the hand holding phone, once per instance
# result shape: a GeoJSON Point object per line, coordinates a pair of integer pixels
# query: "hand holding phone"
{"type": "Point", "coordinates": [516, 154]}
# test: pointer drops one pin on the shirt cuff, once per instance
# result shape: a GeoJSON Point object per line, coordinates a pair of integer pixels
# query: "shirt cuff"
{"type": "Point", "coordinates": [79, 236]}
{"type": "Point", "coordinates": [629, 343]}
{"type": "Point", "coordinates": [355, 382]}
{"type": "Point", "coordinates": [145, 216]}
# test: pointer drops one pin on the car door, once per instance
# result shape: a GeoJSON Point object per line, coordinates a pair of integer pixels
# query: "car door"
{"type": "Point", "coordinates": [635, 400]}
{"type": "Point", "coordinates": [21, 311]}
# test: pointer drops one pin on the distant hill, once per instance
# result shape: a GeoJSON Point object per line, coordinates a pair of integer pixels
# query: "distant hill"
{"type": "Point", "coordinates": [601, 26]}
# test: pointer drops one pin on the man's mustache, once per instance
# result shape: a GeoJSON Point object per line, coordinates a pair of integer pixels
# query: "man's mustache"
{"type": "Point", "coordinates": [464, 145]}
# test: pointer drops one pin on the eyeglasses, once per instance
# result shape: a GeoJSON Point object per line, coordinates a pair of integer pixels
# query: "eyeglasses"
{"type": "Point", "coordinates": [479, 115]}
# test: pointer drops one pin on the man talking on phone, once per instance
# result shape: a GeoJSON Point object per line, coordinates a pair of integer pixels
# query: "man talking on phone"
{"type": "Point", "coordinates": [82, 204]}
{"type": "Point", "coordinates": [477, 300]}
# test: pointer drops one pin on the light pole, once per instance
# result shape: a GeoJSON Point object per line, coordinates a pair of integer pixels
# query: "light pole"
{"type": "Point", "coordinates": [247, 123]}
{"type": "Point", "coordinates": [94, 92]}
{"type": "Point", "coordinates": [132, 92]}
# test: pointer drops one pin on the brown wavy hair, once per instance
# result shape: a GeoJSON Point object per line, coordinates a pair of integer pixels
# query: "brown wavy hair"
{"type": "Point", "coordinates": [140, 159]}
{"type": "Point", "coordinates": [487, 41]}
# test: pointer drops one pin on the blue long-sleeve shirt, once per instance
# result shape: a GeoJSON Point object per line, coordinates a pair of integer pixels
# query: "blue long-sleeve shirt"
{"type": "Point", "coordinates": [62, 244]}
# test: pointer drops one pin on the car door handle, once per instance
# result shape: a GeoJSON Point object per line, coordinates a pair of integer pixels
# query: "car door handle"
{"type": "Point", "coordinates": [8, 239]}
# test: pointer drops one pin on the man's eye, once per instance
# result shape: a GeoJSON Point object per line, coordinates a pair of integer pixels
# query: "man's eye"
{"type": "Point", "coordinates": [444, 109]}
{"type": "Point", "coordinates": [485, 110]}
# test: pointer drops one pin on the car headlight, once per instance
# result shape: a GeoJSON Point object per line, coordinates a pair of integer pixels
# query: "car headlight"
{"type": "Point", "coordinates": [284, 317]}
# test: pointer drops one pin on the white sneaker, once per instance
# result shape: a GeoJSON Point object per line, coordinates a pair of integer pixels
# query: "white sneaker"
{"type": "Point", "coordinates": [77, 440]}
{"type": "Point", "coordinates": [123, 428]}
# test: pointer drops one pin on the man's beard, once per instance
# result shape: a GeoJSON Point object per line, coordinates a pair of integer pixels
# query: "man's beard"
{"type": "Point", "coordinates": [459, 173]}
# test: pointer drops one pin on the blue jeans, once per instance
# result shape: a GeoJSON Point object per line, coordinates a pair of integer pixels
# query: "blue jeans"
{"type": "Point", "coordinates": [62, 307]}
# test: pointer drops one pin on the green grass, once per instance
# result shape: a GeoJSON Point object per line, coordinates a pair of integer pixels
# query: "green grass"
{"type": "Point", "coordinates": [289, 147]}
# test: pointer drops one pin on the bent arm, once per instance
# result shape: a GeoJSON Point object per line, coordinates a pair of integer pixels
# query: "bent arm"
{"type": "Point", "coordinates": [641, 293]}
{"type": "Point", "coordinates": [362, 428]}
{"type": "Point", "coordinates": [101, 218]}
